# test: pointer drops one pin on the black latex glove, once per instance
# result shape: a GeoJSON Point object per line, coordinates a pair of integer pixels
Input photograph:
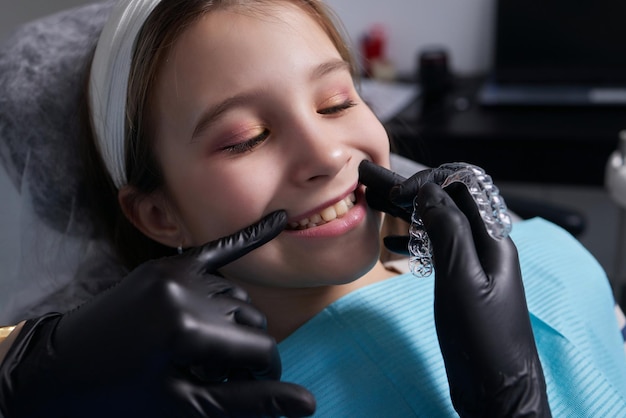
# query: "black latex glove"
{"type": "Point", "coordinates": [481, 314]}
{"type": "Point", "coordinates": [170, 340]}
{"type": "Point", "coordinates": [393, 194]}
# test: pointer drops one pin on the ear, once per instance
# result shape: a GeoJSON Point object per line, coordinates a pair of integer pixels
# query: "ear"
{"type": "Point", "coordinates": [152, 215]}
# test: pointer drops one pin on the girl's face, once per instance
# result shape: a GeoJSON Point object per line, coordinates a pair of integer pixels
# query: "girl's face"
{"type": "Point", "coordinates": [255, 112]}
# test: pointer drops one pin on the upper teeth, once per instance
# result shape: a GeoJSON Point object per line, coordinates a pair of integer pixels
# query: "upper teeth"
{"type": "Point", "coordinates": [330, 213]}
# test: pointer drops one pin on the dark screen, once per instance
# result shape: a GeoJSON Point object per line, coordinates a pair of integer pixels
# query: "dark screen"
{"type": "Point", "coordinates": [562, 41]}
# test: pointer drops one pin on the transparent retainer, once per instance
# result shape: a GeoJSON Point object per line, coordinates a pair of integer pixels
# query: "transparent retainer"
{"type": "Point", "coordinates": [491, 207]}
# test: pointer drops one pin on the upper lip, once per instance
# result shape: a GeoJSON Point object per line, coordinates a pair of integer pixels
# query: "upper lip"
{"type": "Point", "coordinates": [323, 206]}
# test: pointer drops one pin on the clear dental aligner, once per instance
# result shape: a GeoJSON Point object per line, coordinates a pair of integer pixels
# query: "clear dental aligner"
{"type": "Point", "coordinates": [490, 205]}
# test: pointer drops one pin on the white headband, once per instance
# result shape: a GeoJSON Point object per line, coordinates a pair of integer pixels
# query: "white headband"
{"type": "Point", "coordinates": [108, 83]}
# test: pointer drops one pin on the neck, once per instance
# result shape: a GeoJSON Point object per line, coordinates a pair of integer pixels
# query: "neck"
{"type": "Point", "coordinates": [286, 309]}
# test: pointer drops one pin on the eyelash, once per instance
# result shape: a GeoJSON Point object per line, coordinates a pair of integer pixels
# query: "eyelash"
{"type": "Point", "coordinates": [248, 145]}
{"type": "Point", "coordinates": [252, 143]}
{"type": "Point", "coordinates": [338, 108]}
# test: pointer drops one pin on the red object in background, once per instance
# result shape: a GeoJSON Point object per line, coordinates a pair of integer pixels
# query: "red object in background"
{"type": "Point", "coordinates": [373, 47]}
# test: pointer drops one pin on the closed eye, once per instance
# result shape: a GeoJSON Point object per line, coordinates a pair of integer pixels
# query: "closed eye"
{"type": "Point", "coordinates": [249, 145]}
{"type": "Point", "coordinates": [338, 108]}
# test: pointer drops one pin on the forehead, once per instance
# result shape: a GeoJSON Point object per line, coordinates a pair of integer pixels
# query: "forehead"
{"type": "Point", "coordinates": [231, 24]}
{"type": "Point", "coordinates": [224, 43]}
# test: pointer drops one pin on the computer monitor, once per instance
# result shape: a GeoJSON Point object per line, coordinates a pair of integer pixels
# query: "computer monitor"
{"type": "Point", "coordinates": [558, 52]}
{"type": "Point", "coordinates": [560, 41]}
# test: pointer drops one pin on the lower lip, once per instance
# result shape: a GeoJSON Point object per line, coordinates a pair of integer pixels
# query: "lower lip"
{"type": "Point", "coordinates": [349, 221]}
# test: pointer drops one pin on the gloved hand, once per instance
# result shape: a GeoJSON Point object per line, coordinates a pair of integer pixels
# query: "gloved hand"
{"type": "Point", "coordinates": [481, 315]}
{"type": "Point", "coordinates": [170, 340]}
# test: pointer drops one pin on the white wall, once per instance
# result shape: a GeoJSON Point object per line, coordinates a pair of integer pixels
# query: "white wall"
{"type": "Point", "coordinates": [462, 26]}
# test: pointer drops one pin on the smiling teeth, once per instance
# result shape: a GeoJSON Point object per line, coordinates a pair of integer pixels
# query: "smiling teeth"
{"type": "Point", "coordinates": [329, 214]}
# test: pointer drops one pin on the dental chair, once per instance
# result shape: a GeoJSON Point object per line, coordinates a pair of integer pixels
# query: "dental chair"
{"type": "Point", "coordinates": [54, 258]}
{"type": "Point", "coordinates": [53, 254]}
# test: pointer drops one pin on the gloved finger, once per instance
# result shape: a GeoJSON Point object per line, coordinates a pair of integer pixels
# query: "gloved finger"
{"type": "Point", "coordinates": [404, 194]}
{"type": "Point", "coordinates": [454, 251]}
{"type": "Point", "coordinates": [246, 314]}
{"type": "Point", "coordinates": [215, 254]}
{"type": "Point", "coordinates": [466, 204]}
{"type": "Point", "coordinates": [237, 347]}
{"type": "Point", "coordinates": [215, 286]}
{"type": "Point", "coordinates": [238, 310]}
{"type": "Point", "coordinates": [383, 204]}
{"type": "Point", "coordinates": [258, 399]}
{"type": "Point", "coordinates": [379, 182]}
{"type": "Point", "coordinates": [398, 244]}
{"type": "Point", "coordinates": [496, 256]}
{"type": "Point", "coordinates": [378, 179]}
{"type": "Point", "coordinates": [226, 369]}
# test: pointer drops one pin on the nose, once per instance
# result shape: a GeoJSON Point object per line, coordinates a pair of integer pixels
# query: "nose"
{"type": "Point", "coordinates": [320, 154]}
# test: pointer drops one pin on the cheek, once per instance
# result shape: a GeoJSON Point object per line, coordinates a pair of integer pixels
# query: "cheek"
{"type": "Point", "coordinates": [220, 202]}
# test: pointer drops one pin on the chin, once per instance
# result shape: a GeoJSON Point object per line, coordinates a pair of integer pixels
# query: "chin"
{"type": "Point", "coordinates": [329, 268]}
{"type": "Point", "coordinates": [339, 270]}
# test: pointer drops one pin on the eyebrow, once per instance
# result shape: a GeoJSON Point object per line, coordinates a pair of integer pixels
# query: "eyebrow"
{"type": "Point", "coordinates": [213, 113]}
{"type": "Point", "coordinates": [329, 67]}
